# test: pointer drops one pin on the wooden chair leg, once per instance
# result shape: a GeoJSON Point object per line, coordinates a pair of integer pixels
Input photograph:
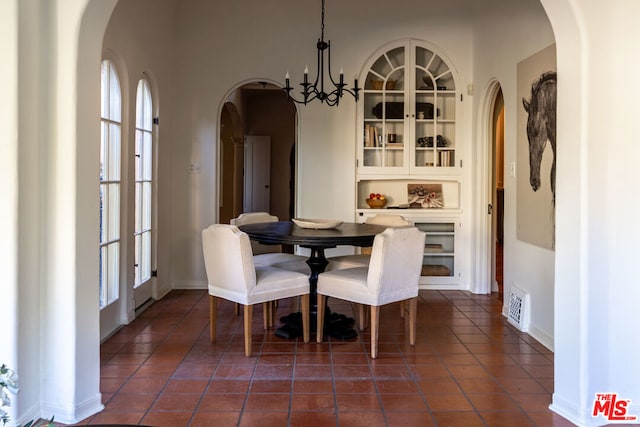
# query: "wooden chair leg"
{"type": "Point", "coordinates": [320, 320]}
{"type": "Point", "coordinates": [375, 321]}
{"type": "Point", "coordinates": [266, 314]}
{"type": "Point", "coordinates": [236, 309]}
{"type": "Point", "coordinates": [413, 311]}
{"type": "Point", "coordinates": [248, 317]}
{"type": "Point", "coordinates": [272, 313]}
{"type": "Point", "coordinates": [305, 317]}
{"type": "Point", "coordinates": [213, 316]}
{"type": "Point", "coordinates": [402, 309]}
{"type": "Point", "coordinates": [362, 317]}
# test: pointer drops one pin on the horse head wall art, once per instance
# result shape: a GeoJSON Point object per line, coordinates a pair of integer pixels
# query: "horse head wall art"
{"type": "Point", "coordinates": [541, 127]}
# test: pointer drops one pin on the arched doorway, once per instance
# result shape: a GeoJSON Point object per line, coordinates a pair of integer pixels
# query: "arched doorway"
{"type": "Point", "coordinates": [497, 187]}
{"type": "Point", "coordinates": [231, 163]}
{"type": "Point", "coordinates": [88, 43]}
{"type": "Point", "coordinates": [265, 111]}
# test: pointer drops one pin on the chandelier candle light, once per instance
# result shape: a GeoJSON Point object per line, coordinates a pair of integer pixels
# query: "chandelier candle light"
{"type": "Point", "coordinates": [316, 90]}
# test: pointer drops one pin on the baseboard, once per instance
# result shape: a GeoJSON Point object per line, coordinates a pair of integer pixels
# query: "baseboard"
{"type": "Point", "coordinates": [441, 287]}
{"type": "Point", "coordinates": [571, 412]}
{"type": "Point", "coordinates": [567, 410]}
{"type": "Point", "coordinates": [190, 284]}
{"type": "Point", "coordinates": [73, 415]}
{"type": "Point", "coordinates": [33, 413]}
{"type": "Point", "coordinates": [541, 336]}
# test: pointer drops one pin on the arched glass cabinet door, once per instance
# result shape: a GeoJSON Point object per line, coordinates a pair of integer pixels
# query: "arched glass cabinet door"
{"type": "Point", "coordinates": [384, 130]}
{"type": "Point", "coordinates": [408, 111]}
{"type": "Point", "coordinates": [435, 111]}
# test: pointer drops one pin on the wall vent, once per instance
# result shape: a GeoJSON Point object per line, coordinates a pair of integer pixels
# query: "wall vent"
{"type": "Point", "coordinates": [518, 314]}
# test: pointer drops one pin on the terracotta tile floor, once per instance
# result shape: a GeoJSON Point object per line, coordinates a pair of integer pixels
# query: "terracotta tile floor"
{"type": "Point", "coordinates": [469, 368]}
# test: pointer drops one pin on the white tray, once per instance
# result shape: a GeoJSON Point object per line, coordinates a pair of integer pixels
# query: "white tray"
{"type": "Point", "coordinates": [316, 223]}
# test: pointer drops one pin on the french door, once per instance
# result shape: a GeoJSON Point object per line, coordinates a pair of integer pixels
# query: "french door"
{"type": "Point", "coordinates": [143, 223]}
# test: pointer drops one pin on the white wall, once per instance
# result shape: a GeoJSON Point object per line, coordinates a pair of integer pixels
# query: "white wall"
{"type": "Point", "coordinates": [623, 202]}
{"type": "Point", "coordinates": [52, 337]}
{"type": "Point", "coordinates": [9, 350]}
{"type": "Point", "coordinates": [528, 267]}
{"type": "Point", "coordinates": [597, 233]}
{"type": "Point", "coordinates": [211, 58]}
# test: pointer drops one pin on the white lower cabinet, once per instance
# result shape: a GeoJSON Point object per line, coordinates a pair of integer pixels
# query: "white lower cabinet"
{"type": "Point", "coordinates": [440, 269]}
{"type": "Point", "coordinates": [439, 262]}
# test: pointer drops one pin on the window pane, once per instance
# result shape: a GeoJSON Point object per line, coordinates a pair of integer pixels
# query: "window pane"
{"type": "Point", "coordinates": [113, 212]}
{"type": "Point", "coordinates": [103, 277]}
{"type": "Point", "coordinates": [103, 213]}
{"type": "Point", "coordinates": [146, 206]}
{"type": "Point", "coordinates": [104, 89]}
{"type": "Point", "coordinates": [113, 277]}
{"type": "Point", "coordinates": [138, 219]}
{"type": "Point", "coordinates": [139, 105]}
{"type": "Point", "coordinates": [136, 262]}
{"type": "Point", "coordinates": [146, 157]}
{"type": "Point", "coordinates": [113, 173]}
{"type": "Point", "coordinates": [145, 270]}
{"type": "Point", "coordinates": [104, 134]}
{"type": "Point", "coordinates": [115, 104]}
{"type": "Point", "coordinates": [138, 156]}
{"type": "Point", "coordinates": [147, 120]}
{"type": "Point", "coordinates": [143, 106]}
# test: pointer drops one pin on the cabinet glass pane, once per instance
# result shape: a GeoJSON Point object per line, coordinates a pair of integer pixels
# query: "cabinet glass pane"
{"type": "Point", "coordinates": [446, 107]}
{"type": "Point", "coordinates": [372, 157]}
{"type": "Point", "coordinates": [386, 69]}
{"type": "Point", "coordinates": [446, 82]}
{"type": "Point", "coordinates": [394, 157]}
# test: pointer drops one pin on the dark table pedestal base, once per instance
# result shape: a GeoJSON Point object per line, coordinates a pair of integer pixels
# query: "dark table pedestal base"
{"type": "Point", "coordinates": [336, 326]}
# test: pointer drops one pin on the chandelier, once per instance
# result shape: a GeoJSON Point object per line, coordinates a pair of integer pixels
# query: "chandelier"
{"type": "Point", "coordinates": [316, 90]}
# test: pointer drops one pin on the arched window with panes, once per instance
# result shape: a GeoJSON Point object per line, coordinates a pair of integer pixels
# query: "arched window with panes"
{"type": "Point", "coordinates": [143, 183]}
{"type": "Point", "coordinates": [110, 183]}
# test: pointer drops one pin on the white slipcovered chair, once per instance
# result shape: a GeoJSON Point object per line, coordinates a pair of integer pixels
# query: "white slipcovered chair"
{"type": "Point", "coordinates": [233, 276]}
{"type": "Point", "coordinates": [270, 254]}
{"type": "Point", "coordinates": [362, 259]}
{"type": "Point", "coordinates": [392, 276]}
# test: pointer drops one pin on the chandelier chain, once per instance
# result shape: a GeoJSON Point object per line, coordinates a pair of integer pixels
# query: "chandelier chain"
{"type": "Point", "coordinates": [322, 25]}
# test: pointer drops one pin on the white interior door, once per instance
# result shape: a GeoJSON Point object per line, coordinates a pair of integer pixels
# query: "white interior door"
{"type": "Point", "coordinates": [257, 174]}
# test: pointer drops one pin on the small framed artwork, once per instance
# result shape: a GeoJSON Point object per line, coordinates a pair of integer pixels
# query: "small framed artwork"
{"type": "Point", "coordinates": [425, 195]}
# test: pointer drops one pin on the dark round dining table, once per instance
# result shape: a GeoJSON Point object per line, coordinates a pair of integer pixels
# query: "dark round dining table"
{"type": "Point", "coordinates": [316, 240]}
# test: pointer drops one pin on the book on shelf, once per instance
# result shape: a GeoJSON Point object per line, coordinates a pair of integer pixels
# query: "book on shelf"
{"type": "Point", "coordinates": [367, 139]}
{"type": "Point", "coordinates": [371, 136]}
{"type": "Point", "coordinates": [445, 158]}
{"type": "Point", "coordinates": [433, 248]}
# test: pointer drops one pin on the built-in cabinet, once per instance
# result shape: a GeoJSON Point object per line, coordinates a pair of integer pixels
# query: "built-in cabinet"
{"type": "Point", "coordinates": [408, 118]}
{"type": "Point", "coordinates": [408, 150]}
